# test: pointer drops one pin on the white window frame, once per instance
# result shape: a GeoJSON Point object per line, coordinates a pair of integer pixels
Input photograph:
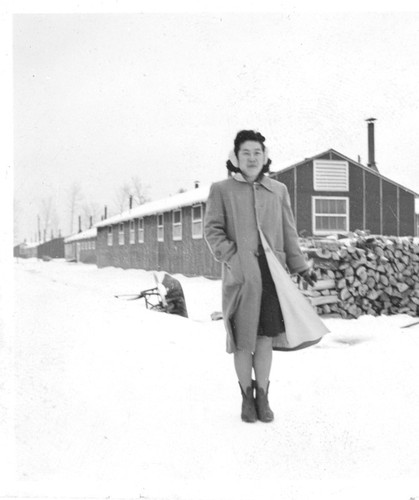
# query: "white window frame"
{"type": "Point", "coordinates": [160, 228]}
{"type": "Point", "coordinates": [131, 232]}
{"type": "Point", "coordinates": [121, 235]}
{"type": "Point", "coordinates": [93, 245]}
{"type": "Point", "coordinates": [314, 214]}
{"type": "Point", "coordinates": [110, 236]}
{"type": "Point", "coordinates": [196, 235]}
{"type": "Point", "coordinates": [141, 230]}
{"type": "Point", "coordinates": [317, 187]}
{"type": "Point", "coordinates": [177, 226]}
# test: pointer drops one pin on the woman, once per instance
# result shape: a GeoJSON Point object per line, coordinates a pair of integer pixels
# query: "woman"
{"type": "Point", "coordinates": [249, 227]}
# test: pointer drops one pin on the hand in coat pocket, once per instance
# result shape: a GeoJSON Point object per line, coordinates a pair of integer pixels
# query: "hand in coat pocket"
{"type": "Point", "coordinates": [233, 273]}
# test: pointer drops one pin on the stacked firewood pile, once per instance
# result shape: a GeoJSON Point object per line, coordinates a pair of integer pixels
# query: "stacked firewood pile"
{"type": "Point", "coordinates": [364, 275]}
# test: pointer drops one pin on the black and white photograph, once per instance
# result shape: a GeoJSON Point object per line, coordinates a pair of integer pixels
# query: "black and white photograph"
{"type": "Point", "coordinates": [210, 252]}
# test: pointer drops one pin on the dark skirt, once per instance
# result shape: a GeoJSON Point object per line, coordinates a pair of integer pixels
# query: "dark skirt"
{"type": "Point", "coordinates": [271, 321]}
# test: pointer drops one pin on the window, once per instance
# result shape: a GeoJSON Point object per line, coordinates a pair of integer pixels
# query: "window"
{"type": "Point", "coordinates": [331, 175]}
{"type": "Point", "coordinates": [197, 227]}
{"type": "Point", "coordinates": [140, 230]}
{"type": "Point", "coordinates": [177, 225]}
{"type": "Point", "coordinates": [160, 228]}
{"type": "Point", "coordinates": [93, 244]}
{"type": "Point", "coordinates": [110, 238]}
{"type": "Point", "coordinates": [330, 215]}
{"type": "Point", "coordinates": [121, 234]}
{"type": "Point", "coordinates": [131, 232]}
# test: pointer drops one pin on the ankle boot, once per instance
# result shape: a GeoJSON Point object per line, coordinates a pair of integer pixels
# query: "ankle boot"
{"type": "Point", "coordinates": [248, 405]}
{"type": "Point", "coordinates": [264, 413]}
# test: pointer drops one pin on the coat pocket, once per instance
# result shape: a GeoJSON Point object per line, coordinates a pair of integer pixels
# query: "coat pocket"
{"type": "Point", "coordinates": [233, 273]}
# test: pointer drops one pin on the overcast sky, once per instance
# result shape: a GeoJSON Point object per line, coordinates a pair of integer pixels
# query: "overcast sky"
{"type": "Point", "coordinates": [101, 98]}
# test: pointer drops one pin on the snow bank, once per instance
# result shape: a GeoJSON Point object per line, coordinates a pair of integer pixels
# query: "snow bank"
{"type": "Point", "coordinates": [113, 400]}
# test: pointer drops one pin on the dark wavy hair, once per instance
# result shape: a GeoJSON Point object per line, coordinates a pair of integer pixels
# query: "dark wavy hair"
{"type": "Point", "coordinates": [243, 136]}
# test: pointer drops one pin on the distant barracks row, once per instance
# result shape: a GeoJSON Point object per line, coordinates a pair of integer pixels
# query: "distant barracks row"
{"type": "Point", "coordinates": [329, 193]}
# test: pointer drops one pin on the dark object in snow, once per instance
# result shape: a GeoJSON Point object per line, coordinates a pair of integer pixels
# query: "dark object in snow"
{"type": "Point", "coordinates": [172, 295]}
{"type": "Point", "coordinates": [167, 296]}
{"type": "Point", "coordinates": [216, 315]}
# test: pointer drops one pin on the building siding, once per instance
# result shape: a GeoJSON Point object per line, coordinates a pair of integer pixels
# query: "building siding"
{"type": "Point", "coordinates": [390, 209]}
{"type": "Point", "coordinates": [356, 198]}
{"type": "Point", "coordinates": [53, 248]}
{"type": "Point", "coordinates": [407, 210]}
{"type": "Point", "coordinates": [373, 203]}
{"type": "Point", "coordinates": [304, 175]}
{"type": "Point", "coordinates": [187, 256]}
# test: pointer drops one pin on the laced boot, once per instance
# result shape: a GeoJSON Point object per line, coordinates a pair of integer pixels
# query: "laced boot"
{"type": "Point", "coordinates": [248, 405]}
{"type": "Point", "coordinates": [264, 413]}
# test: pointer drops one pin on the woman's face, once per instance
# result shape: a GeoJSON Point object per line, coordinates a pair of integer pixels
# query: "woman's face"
{"type": "Point", "coordinates": [251, 158]}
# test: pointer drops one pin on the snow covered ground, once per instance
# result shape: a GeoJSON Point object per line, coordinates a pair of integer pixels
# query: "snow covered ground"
{"type": "Point", "coordinates": [115, 401]}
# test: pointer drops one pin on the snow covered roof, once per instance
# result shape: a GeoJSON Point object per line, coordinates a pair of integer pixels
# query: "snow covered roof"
{"type": "Point", "coordinates": [198, 195]}
{"type": "Point", "coordinates": [32, 244]}
{"type": "Point", "coordinates": [89, 233]}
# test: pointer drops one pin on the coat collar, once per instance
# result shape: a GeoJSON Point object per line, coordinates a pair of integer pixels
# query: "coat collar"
{"type": "Point", "coordinates": [263, 181]}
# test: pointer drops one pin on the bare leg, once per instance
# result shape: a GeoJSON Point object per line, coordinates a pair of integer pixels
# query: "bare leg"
{"type": "Point", "coordinates": [262, 361]}
{"type": "Point", "coordinates": [243, 366]}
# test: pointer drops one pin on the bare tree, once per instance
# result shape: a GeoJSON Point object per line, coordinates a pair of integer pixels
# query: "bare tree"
{"type": "Point", "coordinates": [134, 188]}
{"type": "Point", "coordinates": [91, 209]}
{"type": "Point", "coordinates": [75, 198]}
{"type": "Point", "coordinates": [45, 212]}
{"type": "Point", "coordinates": [139, 191]}
{"type": "Point", "coordinates": [55, 222]}
{"type": "Point", "coordinates": [122, 197]}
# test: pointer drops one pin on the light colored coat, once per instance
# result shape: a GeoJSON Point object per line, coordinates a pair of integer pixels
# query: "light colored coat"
{"type": "Point", "coordinates": [239, 217]}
